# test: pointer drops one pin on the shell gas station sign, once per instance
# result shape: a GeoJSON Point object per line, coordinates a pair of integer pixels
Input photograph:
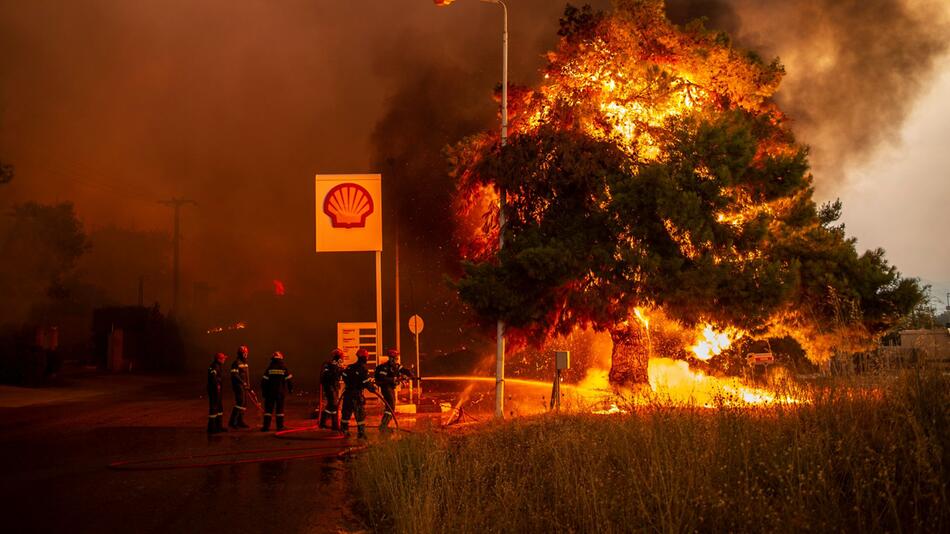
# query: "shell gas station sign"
{"type": "Point", "coordinates": [349, 213]}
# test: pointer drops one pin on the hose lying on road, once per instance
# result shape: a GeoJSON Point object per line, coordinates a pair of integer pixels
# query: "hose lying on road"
{"type": "Point", "coordinates": [286, 434]}
{"type": "Point", "coordinates": [208, 460]}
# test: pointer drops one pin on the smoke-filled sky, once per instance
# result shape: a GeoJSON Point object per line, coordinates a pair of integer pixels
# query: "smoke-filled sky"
{"type": "Point", "coordinates": [117, 104]}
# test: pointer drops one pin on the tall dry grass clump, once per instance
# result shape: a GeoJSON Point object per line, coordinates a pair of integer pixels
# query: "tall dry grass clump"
{"type": "Point", "coordinates": [853, 458]}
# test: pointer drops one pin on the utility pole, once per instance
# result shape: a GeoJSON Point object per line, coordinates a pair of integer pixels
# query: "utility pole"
{"type": "Point", "coordinates": [397, 323]}
{"type": "Point", "coordinates": [500, 327]}
{"type": "Point", "coordinates": [177, 204]}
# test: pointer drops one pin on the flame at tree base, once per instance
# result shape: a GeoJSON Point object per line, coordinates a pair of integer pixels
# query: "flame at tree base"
{"type": "Point", "coordinates": [674, 381]}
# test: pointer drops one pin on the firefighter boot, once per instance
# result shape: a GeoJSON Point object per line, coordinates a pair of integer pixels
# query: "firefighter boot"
{"type": "Point", "coordinates": [211, 426]}
{"type": "Point", "coordinates": [361, 431]}
{"type": "Point", "coordinates": [219, 424]}
{"type": "Point", "coordinates": [384, 424]}
{"type": "Point", "coordinates": [335, 423]}
{"type": "Point", "coordinates": [345, 427]}
{"type": "Point", "coordinates": [240, 420]}
{"type": "Point", "coordinates": [280, 422]}
{"type": "Point", "coordinates": [266, 426]}
{"type": "Point", "coordinates": [232, 421]}
{"type": "Point", "coordinates": [323, 419]}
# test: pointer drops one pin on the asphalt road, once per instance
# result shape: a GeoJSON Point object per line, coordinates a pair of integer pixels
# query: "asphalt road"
{"type": "Point", "coordinates": [57, 444]}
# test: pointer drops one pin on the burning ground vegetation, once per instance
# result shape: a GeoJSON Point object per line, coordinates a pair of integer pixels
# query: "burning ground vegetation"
{"type": "Point", "coordinates": [715, 371]}
{"type": "Point", "coordinates": [654, 190]}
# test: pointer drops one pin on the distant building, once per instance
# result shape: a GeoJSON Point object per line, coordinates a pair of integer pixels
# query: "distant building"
{"type": "Point", "coordinates": [931, 346]}
{"type": "Point", "coordinates": [909, 348]}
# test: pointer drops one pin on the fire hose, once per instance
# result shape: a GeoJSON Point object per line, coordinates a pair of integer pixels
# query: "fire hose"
{"type": "Point", "coordinates": [159, 464]}
{"type": "Point", "coordinates": [251, 394]}
{"type": "Point", "coordinates": [284, 434]}
{"type": "Point", "coordinates": [392, 410]}
{"type": "Point", "coordinates": [380, 397]}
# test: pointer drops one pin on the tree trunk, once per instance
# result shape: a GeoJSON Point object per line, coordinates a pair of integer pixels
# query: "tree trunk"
{"type": "Point", "coordinates": [630, 355]}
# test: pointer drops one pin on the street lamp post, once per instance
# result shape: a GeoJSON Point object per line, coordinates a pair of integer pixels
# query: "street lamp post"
{"type": "Point", "coordinates": [500, 350]}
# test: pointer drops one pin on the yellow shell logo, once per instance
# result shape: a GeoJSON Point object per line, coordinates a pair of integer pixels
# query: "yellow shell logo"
{"type": "Point", "coordinates": [348, 205]}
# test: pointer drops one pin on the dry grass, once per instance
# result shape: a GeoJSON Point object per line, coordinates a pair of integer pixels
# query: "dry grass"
{"type": "Point", "coordinates": [854, 459]}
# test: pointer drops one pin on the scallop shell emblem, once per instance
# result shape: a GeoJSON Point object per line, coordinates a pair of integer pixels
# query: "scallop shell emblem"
{"type": "Point", "coordinates": [348, 205]}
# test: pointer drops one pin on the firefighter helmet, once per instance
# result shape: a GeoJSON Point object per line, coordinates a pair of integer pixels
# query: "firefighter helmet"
{"type": "Point", "coordinates": [392, 353]}
{"type": "Point", "coordinates": [336, 354]}
{"type": "Point", "coordinates": [278, 355]}
{"type": "Point", "coordinates": [362, 354]}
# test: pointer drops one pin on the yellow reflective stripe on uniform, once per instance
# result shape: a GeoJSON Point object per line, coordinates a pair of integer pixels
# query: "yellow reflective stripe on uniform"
{"type": "Point", "coordinates": [367, 380]}
{"type": "Point", "coordinates": [276, 371]}
{"type": "Point", "coordinates": [242, 365]}
{"type": "Point", "coordinates": [265, 377]}
{"type": "Point", "coordinates": [234, 370]}
{"type": "Point", "coordinates": [240, 408]}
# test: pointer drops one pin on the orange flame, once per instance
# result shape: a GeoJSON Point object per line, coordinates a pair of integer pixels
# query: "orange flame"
{"type": "Point", "coordinates": [675, 381]}
{"type": "Point", "coordinates": [711, 343]}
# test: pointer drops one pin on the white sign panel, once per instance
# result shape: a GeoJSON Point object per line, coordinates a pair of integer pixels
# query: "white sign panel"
{"type": "Point", "coordinates": [351, 337]}
{"type": "Point", "coordinates": [349, 213]}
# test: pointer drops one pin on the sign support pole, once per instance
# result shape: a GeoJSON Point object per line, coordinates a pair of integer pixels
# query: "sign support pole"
{"type": "Point", "coordinates": [379, 307]}
{"type": "Point", "coordinates": [418, 368]}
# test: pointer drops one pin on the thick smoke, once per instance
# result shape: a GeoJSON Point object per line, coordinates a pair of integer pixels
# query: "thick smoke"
{"type": "Point", "coordinates": [855, 67]}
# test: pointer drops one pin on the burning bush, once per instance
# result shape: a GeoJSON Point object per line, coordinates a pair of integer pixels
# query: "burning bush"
{"type": "Point", "coordinates": [652, 171]}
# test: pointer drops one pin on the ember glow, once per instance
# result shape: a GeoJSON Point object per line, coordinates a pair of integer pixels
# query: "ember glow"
{"type": "Point", "coordinates": [240, 325]}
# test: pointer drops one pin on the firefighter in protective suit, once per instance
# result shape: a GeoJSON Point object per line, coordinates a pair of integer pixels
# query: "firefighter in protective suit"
{"type": "Point", "coordinates": [241, 384]}
{"type": "Point", "coordinates": [355, 379]}
{"type": "Point", "coordinates": [330, 383]}
{"type": "Point", "coordinates": [275, 384]}
{"type": "Point", "coordinates": [215, 406]}
{"type": "Point", "coordinates": [388, 376]}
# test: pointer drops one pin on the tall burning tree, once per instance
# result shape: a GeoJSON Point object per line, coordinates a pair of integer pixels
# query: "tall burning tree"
{"type": "Point", "coordinates": [654, 190]}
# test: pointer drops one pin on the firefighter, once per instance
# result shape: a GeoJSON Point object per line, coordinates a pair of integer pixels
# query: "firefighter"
{"type": "Point", "coordinates": [355, 379]}
{"type": "Point", "coordinates": [330, 384]}
{"type": "Point", "coordinates": [215, 407]}
{"type": "Point", "coordinates": [241, 384]}
{"type": "Point", "coordinates": [275, 384]}
{"type": "Point", "coordinates": [388, 376]}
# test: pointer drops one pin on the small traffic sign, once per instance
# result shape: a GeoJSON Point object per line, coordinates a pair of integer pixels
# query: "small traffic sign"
{"type": "Point", "coordinates": [416, 324]}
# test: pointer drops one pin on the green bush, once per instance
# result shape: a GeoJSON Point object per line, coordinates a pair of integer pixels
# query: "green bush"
{"type": "Point", "coordinates": [853, 458]}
